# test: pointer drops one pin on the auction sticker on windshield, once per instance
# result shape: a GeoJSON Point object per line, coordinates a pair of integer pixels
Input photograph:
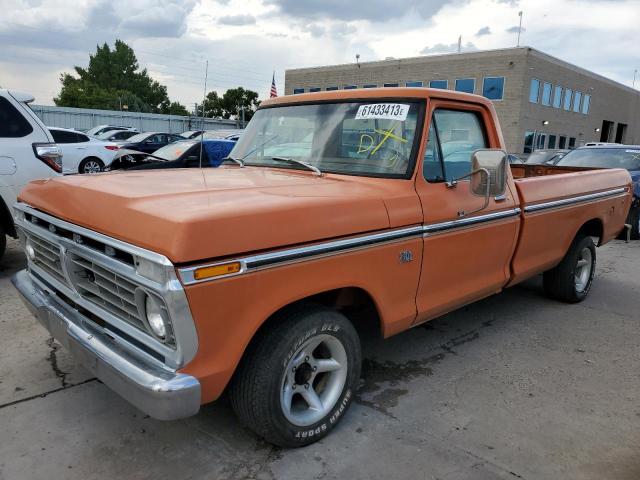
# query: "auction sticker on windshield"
{"type": "Point", "coordinates": [387, 111]}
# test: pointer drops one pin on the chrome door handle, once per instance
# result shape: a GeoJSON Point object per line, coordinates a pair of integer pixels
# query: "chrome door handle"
{"type": "Point", "coordinates": [500, 198]}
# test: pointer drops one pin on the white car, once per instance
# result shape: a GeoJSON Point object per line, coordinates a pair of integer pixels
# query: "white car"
{"type": "Point", "coordinates": [100, 129]}
{"type": "Point", "coordinates": [82, 153]}
{"type": "Point", "coordinates": [27, 152]}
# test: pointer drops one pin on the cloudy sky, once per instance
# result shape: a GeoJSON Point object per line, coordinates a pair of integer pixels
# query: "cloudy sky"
{"type": "Point", "coordinates": [246, 40]}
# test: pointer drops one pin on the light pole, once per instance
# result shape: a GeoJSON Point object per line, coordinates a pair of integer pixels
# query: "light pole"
{"type": "Point", "coordinates": [519, 28]}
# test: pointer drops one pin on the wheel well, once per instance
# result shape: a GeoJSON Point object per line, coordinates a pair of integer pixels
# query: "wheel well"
{"type": "Point", "coordinates": [354, 303]}
{"type": "Point", "coordinates": [592, 228]}
{"type": "Point", "coordinates": [6, 220]}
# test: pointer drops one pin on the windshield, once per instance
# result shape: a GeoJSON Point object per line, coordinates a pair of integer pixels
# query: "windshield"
{"type": "Point", "coordinates": [357, 138]}
{"type": "Point", "coordinates": [173, 151]}
{"type": "Point", "coordinates": [138, 138]}
{"type": "Point", "coordinates": [628, 158]}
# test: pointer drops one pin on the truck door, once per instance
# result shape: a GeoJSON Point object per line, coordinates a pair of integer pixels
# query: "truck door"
{"type": "Point", "coordinates": [466, 255]}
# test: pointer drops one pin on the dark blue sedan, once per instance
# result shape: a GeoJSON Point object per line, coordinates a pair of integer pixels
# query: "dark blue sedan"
{"type": "Point", "coordinates": [612, 156]}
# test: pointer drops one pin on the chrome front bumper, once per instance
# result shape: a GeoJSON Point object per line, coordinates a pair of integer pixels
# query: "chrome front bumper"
{"type": "Point", "coordinates": [157, 391]}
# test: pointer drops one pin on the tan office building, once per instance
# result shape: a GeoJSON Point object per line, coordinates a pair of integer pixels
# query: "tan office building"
{"type": "Point", "coordinates": [542, 102]}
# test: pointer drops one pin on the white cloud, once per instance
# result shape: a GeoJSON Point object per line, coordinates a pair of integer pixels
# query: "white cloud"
{"type": "Point", "coordinates": [173, 38]}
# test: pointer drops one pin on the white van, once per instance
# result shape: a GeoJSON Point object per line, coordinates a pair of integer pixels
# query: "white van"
{"type": "Point", "coordinates": [27, 152]}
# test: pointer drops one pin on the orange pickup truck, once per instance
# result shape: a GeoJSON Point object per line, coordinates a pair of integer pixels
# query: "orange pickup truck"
{"type": "Point", "coordinates": [336, 212]}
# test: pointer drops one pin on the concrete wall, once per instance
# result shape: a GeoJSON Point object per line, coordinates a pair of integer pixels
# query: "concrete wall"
{"type": "Point", "coordinates": [84, 119]}
{"type": "Point", "coordinates": [609, 100]}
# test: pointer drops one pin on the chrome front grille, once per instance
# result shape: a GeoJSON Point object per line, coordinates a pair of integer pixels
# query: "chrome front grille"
{"type": "Point", "coordinates": [105, 289]}
{"type": "Point", "coordinates": [108, 282]}
{"type": "Point", "coordinates": [46, 255]}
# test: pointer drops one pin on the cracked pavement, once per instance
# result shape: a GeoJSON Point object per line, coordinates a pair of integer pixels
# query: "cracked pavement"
{"type": "Point", "coordinates": [515, 386]}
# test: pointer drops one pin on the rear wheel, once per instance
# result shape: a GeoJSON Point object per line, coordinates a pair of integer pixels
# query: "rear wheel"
{"type": "Point", "coordinates": [91, 165]}
{"type": "Point", "coordinates": [634, 221]}
{"type": "Point", "coordinates": [3, 241]}
{"type": "Point", "coordinates": [571, 280]}
{"type": "Point", "coordinates": [298, 379]}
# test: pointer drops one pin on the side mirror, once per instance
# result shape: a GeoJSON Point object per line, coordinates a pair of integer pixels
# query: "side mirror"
{"type": "Point", "coordinates": [488, 176]}
{"type": "Point", "coordinates": [493, 163]}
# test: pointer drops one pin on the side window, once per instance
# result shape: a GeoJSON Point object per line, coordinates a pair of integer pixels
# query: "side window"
{"type": "Point", "coordinates": [459, 134]}
{"type": "Point", "coordinates": [81, 138]}
{"type": "Point", "coordinates": [62, 136]}
{"type": "Point", "coordinates": [12, 123]}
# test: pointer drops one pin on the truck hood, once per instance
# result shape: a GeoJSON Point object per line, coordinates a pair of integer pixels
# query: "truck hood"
{"type": "Point", "coordinates": [190, 215]}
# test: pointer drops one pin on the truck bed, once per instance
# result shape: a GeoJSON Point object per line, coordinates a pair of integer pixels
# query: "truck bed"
{"type": "Point", "coordinates": [556, 202]}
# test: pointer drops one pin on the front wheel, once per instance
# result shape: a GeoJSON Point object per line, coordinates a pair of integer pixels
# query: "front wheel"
{"type": "Point", "coordinates": [570, 281]}
{"type": "Point", "coordinates": [298, 378]}
{"type": "Point", "coordinates": [91, 165]}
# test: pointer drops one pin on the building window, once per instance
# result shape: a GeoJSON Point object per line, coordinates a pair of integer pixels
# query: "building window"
{"type": "Point", "coordinates": [442, 84]}
{"type": "Point", "coordinates": [542, 138]}
{"type": "Point", "coordinates": [546, 94]}
{"type": "Point", "coordinates": [413, 84]}
{"type": "Point", "coordinates": [331, 88]}
{"type": "Point", "coordinates": [572, 143]}
{"type": "Point", "coordinates": [585, 104]}
{"type": "Point", "coordinates": [534, 90]}
{"type": "Point", "coordinates": [390, 84]}
{"type": "Point", "coordinates": [576, 102]}
{"type": "Point", "coordinates": [557, 96]}
{"type": "Point", "coordinates": [493, 88]}
{"type": "Point", "coordinates": [467, 85]}
{"type": "Point", "coordinates": [552, 141]}
{"type": "Point", "coordinates": [315, 89]}
{"type": "Point", "coordinates": [528, 142]}
{"type": "Point", "coordinates": [562, 142]}
{"type": "Point", "coordinates": [298, 90]}
{"type": "Point", "coordinates": [567, 99]}
{"type": "Point", "coordinates": [371, 85]}
{"type": "Point", "coordinates": [349, 87]}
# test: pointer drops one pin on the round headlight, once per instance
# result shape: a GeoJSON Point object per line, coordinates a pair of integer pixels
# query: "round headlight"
{"type": "Point", "coordinates": [155, 317]}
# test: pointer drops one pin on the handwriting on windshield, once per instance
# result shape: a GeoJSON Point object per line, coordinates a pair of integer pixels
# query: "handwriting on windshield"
{"type": "Point", "coordinates": [368, 143]}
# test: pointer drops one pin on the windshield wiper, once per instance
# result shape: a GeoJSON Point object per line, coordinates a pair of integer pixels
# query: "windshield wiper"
{"type": "Point", "coordinates": [231, 159]}
{"type": "Point", "coordinates": [293, 161]}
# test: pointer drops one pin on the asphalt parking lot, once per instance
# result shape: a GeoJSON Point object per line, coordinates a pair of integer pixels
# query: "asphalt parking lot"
{"type": "Point", "coordinates": [515, 386]}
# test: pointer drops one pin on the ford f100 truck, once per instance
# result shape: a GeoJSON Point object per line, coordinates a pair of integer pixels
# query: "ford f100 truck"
{"type": "Point", "coordinates": [335, 213]}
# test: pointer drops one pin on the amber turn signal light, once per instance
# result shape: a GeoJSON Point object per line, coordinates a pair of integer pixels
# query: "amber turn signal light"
{"type": "Point", "coordinates": [216, 270]}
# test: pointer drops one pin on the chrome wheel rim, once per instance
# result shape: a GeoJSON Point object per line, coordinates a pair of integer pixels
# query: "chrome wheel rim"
{"type": "Point", "coordinates": [313, 380]}
{"type": "Point", "coordinates": [583, 269]}
{"type": "Point", "coordinates": [91, 167]}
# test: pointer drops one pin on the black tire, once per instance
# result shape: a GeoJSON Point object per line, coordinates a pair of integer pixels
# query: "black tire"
{"type": "Point", "coordinates": [89, 161]}
{"type": "Point", "coordinates": [259, 382]}
{"type": "Point", "coordinates": [561, 282]}
{"type": "Point", "coordinates": [3, 241]}
{"type": "Point", "coordinates": [634, 220]}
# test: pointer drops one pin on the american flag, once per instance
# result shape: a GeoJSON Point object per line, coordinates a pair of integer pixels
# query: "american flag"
{"type": "Point", "coordinates": [273, 93]}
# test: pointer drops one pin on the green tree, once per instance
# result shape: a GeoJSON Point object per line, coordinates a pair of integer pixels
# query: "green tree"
{"type": "Point", "coordinates": [113, 78]}
{"type": "Point", "coordinates": [239, 98]}
{"type": "Point", "coordinates": [230, 104]}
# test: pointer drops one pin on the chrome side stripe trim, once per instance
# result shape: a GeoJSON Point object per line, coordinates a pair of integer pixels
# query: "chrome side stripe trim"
{"type": "Point", "coordinates": [573, 200]}
{"type": "Point", "coordinates": [465, 222]}
{"type": "Point", "coordinates": [255, 262]}
{"type": "Point", "coordinates": [335, 247]}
